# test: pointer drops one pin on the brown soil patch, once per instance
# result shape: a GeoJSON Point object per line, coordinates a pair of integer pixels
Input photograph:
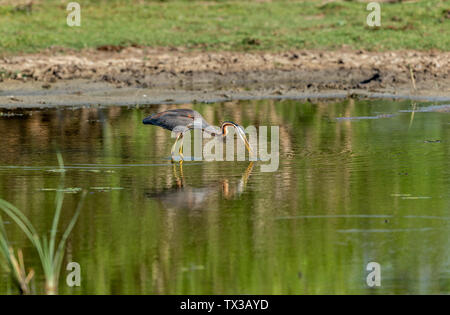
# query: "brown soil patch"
{"type": "Point", "coordinates": [175, 69]}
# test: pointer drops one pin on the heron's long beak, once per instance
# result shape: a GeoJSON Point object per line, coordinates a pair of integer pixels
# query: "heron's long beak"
{"type": "Point", "coordinates": [241, 134]}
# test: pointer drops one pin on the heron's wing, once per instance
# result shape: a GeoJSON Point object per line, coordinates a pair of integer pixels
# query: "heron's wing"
{"type": "Point", "coordinates": [175, 118]}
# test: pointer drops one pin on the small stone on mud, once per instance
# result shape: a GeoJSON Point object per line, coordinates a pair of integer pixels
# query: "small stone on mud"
{"type": "Point", "coordinates": [375, 77]}
{"type": "Point", "coordinates": [15, 99]}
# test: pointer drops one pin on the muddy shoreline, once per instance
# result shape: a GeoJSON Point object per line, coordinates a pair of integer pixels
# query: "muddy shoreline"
{"type": "Point", "coordinates": [135, 76]}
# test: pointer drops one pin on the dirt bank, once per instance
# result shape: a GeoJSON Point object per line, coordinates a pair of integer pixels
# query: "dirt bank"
{"type": "Point", "coordinates": [117, 75]}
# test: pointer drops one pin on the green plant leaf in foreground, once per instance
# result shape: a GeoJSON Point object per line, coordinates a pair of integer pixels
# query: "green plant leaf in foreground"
{"type": "Point", "coordinates": [51, 260]}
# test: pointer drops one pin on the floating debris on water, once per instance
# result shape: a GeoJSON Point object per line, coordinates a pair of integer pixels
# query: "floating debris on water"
{"type": "Point", "coordinates": [98, 171]}
{"type": "Point", "coordinates": [11, 114]}
{"type": "Point", "coordinates": [400, 195]}
{"type": "Point", "coordinates": [106, 188]}
{"type": "Point", "coordinates": [434, 108]}
{"type": "Point", "coordinates": [70, 190]}
{"type": "Point", "coordinates": [416, 197]}
{"type": "Point", "coordinates": [57, 170]}
{"type": "Point", "coordinates": [425, 229]}
{"type": "Point", "coordinates": [366, 117]}
{"type": "Point", "coordinates": [431, 217]}
{"type": "Point", "coordinates": [432, 141]}
{"type": "Point", "coordinates": [336, 216]}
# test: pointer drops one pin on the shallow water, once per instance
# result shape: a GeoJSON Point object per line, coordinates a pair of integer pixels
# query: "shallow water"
{"type": "Point", "coordinates": [358, 182]}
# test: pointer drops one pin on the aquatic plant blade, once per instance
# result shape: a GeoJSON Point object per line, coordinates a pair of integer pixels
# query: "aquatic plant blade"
{"type": "Point", "coordinates": [60, 251]}
{"type": "Point", "coordinates": [59, 203]}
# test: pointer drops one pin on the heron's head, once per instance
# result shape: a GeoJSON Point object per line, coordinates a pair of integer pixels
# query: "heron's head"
{"type": "Point", "coordinates": [239, 130]}
{"type": "Point", "coordinates": [150, 120]}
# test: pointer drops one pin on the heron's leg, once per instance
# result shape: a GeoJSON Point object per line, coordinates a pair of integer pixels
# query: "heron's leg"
{"type": "Point", "coordinates": [178, 180]}
{"type": "Point", "coordinates": [173, 147]}
{"type": "Point", "coordinates": [180, 151]}
{"type": "Point", "coordinates": [244, 179]}
{"type": "Point", "coordinates": [181, 172]}
{"type": "Point", "coordinates": [247, 173]}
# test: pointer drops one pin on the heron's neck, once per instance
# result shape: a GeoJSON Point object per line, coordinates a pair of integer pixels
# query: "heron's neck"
{"type": "Point", "coordinates": [222, 132]}
{"type": "Point", "coordinates": [214, 132]}
{"type": "Point", "coordinates": [225, 128]}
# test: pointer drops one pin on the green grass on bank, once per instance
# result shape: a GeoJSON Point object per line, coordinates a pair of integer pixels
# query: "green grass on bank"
{"type": "Point", "coordinates": [226, 25]}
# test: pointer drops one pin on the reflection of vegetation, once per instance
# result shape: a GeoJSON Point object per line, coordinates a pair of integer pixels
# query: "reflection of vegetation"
{"type": "Point", "coordinates": [413, 103]}
{"type": "Point", "coordinates": [14, 265]}
{"type": "Point", "coordinates": [336, 203]}
{"type": "Point", "coordinates": [51, 253]}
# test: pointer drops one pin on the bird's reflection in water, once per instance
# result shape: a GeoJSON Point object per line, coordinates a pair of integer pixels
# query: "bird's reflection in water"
{"type": "Point", "coordinates": [183, 196]}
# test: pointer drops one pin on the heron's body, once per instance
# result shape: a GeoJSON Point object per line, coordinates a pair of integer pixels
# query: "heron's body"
{"type": "Point", "coordinates": [170, 119]}
{"type": "Point", "coordinates": [182, 120]}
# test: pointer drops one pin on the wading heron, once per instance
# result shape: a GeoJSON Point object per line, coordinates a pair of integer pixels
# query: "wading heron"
{"type": "Point", "coordinates": [182, 120]}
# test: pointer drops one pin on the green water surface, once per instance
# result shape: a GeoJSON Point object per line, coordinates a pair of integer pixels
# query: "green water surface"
{"type": "Point", "coordinates": [358, 182]}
